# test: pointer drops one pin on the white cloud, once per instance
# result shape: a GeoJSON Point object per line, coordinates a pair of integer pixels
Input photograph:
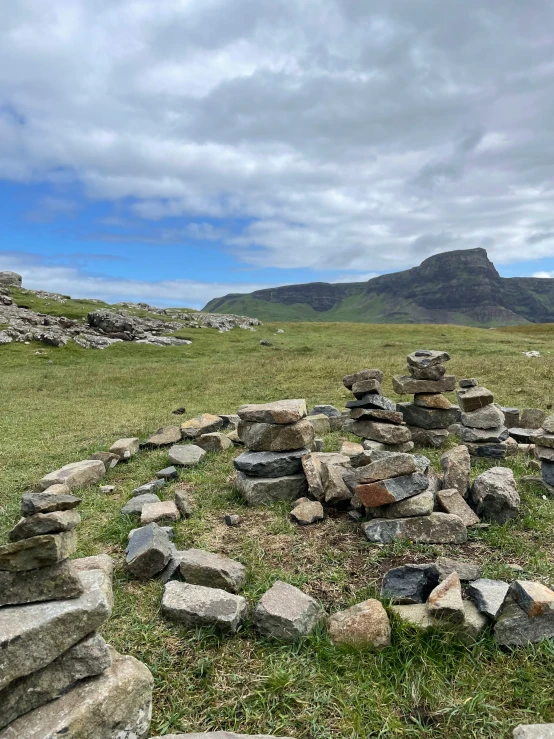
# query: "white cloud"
{"type": "Point", "coordinates": [544, 274]}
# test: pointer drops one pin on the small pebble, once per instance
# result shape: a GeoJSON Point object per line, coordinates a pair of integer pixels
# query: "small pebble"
{"type": "Point", "coordinates": [179, 411]}
{"type": "Point", "coordinates": [232, 519]}
{"type": "Point", "coordinates": [106, 489]}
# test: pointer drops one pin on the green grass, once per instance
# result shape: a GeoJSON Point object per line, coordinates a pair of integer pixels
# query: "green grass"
{"type": "Point", "coordinates": [61, 405]}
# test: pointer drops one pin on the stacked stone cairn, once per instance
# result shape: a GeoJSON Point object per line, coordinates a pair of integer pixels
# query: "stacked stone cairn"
{"type": "Point", "coordinates": [544, 451]}
{"type": "Point", "coordinates": [58, 677]}
{"type": "Point", "coordinates": [431, 413]}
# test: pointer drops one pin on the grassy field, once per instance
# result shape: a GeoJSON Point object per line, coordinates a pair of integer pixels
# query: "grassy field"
{"type": "Point", "coordinates": [62, 404]}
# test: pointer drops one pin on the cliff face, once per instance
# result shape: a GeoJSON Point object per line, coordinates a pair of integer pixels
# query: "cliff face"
{"type": "Point", "coordinates": [461, 287]}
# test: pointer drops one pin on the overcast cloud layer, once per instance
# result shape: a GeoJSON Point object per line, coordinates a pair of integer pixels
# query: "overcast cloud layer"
{"type": "Point", "coordinates": [344, 134]}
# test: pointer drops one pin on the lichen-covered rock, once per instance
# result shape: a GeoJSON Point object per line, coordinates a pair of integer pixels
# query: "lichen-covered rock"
{"type": "Point", "coordinates": [205, 423]}
{"type": "Point", "coordinates": [312, 465]}
{"type": "Point", "coordinates": [134, 506]}
{"type": "Point", "coordinates": [44, 523]}
{"type": "Point", "coordinates": [320, 424]}
{"type": "Point", "coordinates": [55, 498]}
{"type": "Point", "coordinates": [363, 625]}
{"type": "Point", "coordinates": [165, 510]}
{"type": "Point", "coordinates": [418, 505]}
{"type": "Point", "coordinates": [365, 374]}
{"type": "Point", "coordinates": [484, 418]}
{"type": "Point", "coordinates": [286, 613]}
{"type": "Point", "coordinates": [472, 398]}
{"type": "Point", "coordinates": [391, 465]}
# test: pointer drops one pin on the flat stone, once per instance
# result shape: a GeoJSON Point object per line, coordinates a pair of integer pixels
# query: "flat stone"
{"type": "Point", "coordinates": [494, 495]}
{"type": "Point", "coordinates": [214, 442]}
{"type": "Point", "coordinates": [435, 372]}
{"type": "Point", "coordinates": [102, 562]}
{"type": "Point", "coordinates": [483, 418]}
{"type": "Point", "coordinates": [375, 414]}
{"type": "Point", "coordinates": [385, 433]}
{"type": "Point", "coordinates": [328, 410]}
{"type": "Point", "coordinates": [534, 731]}
{"type": "Point", "coordinates": [466, 571]}
{"type": "Point", "coordinates": [419, 617]}
{"type": "Point", "coordinates": [468, 382]}
{"type": "Point", "coordinates": [308, 512]}
{"type": "Point", "coordinates": [270, 464]}
{"type": "Point", "coordinates": [393, 465]}
{"type": "Point", "coordinates": [57, 582]}
{"type": "Point", "coordinates": [134, 506]}
{"type": "Point", "coordinates": [533, 418]}
{"type": "Point", "coordinates": [407, 385]}
{"type": "Point", "coordinates": [544, 452]}
{"type": "Point", "coordinates": [50, 500]}
{"type": "Point", "coordinates": [411, 583]}
{"type": "Point", "coordinates": [196, 605]}
{"type": "Point", "coordinates": [335, 480]}
{"type": "Point", "coordinates": [268, 490]}
{"type": "Point", "coordinates": [534, 597]}
{"type": "Point", "coordinates": [205, 423]}
{"type": "Point", "coordinates": [376, 446]}
{"type": "Point", "coordinates": [149, 487]}
{"type": "Point", "coordinates": [186, 456]}
{"type": "Point", "coordinates": [365, 374]}
{"type": "Point", "coordinates": [109, 459]}
{"type": "Point", "coordinates": [313, 470]}
{"type": "Point", "coordinates": [87, 658]}
{"type": "Point", "coordinates": [445, 601]}
{"type": "Point", "coordinates": [372, 400]}
{"type": "Point", "coordinates": [270, 437]}
{"type": "Point", "coordinates": [286, 613]}
{"type": "Point", "coordinates": [417, 505]}
{"type": "Point", "coordinates": [428, 418]}
{"type": "Point", "coordinates": [433, 438]}
{"type": "Point", "coordinates": [320, 424]}
{"type": "Point", "coordinates": [168, 473]}
{"type": "Point", "coordinates": [547, 471]}
{"type": "Point", "coordinates": [450, 501]}
{"type": "Point", "coordinates": [32, 636]}
{"type": "Point", "coordinates": [164, 436]}
{"type": "Point", "coordinates": [279, 412]}
{"type": "Point", "coordinates": [511, 417]}
{"type": "Point", "coordinates": [114, 705]}
{"type": "Point", "coordinates": [493, 435]}
{"type": "Point", "coordinates": [472, 398]}
{"type": "Point", "coordinates": [525, 435]}
{"type": "Point", "coordinates": [184, 500]}
{"type": "Point", "coordinates": [433, 400]}
{"type": "Point", "coordinates": [363, 625]}
{"type": "Point", "coordinates": [391, 490]}
{"type": "Point", "coordinates": [500, 450]}
{"type": "Point", "coordinates": [362, 387]}
{"type": "Point", "coordinates": [230, 420]}
{"type": "Point", "coordinates": [44, 523]}
{"type": "Point", "coordinates": [165, 510]}
{"type": "Point", "coordinates": [456, 466]}
{"type": "Point", "coordinates": [39, 551]}
{"type": "Point", "coordinates": [438, 528]}
{"type": "Point", "coordinates": [515, 628]}
{"type": "Point", "coordinates": [423, 358]}
{"type": "Point", "coordinates": [199, 567]}
{"type": "Point", "coordinates": [75, 475]}
{"type": "Point", "coordinates": [488, 595]}
{"type": "Point", "coordinates": [148, 551]}
{"type": "Point", "coordinates": [545, 440]}
{"type": "Point", "coordinates": [125, 448]}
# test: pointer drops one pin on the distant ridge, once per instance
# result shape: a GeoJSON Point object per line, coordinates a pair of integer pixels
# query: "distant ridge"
{"type": "Point", "coordinates": [460, 287]}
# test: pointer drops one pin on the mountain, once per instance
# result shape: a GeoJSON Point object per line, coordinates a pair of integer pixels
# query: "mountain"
{"type": "Point", "coordinates": [460, 287]}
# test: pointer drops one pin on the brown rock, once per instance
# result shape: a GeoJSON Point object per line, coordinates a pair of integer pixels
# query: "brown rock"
{"type": "Point", "coordinates": [385, 433]}
{"type": "Point", "coordinates": [456, 465]}
{"type": "Point", "coordinates": [306, 512]}
{"type": "Point", "coordinates": [214, 442]}
{"type": "Point", "coordinates": [389, 466]}
{"type": "Point", "coordinates": [432, 400]}
{"type": "Point", "coordinates": [205, 423]}
{"type": "Point", "coordinates": [351, 448]}
{"type": "Point", "coordinates": [445, 601]}
{"type": "Point", "coordinates": [392, 490]}
{"type": "Point", "coordinates": [407, 385]}
{"type": "Point", "coordinates": [451, 501]}
{"type": "Point", "coordinates": [366, 374]}
{"type": "Point", "coordinates": [363, 625]}
{"type": "Point", "coordinates": [165, 436]}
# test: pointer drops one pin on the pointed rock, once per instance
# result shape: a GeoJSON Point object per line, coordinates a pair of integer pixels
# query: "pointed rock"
{"type": "Point", "coordinates": [286, 613]}
{"type": "Point", "coordinates": [445, 601]}
{"type": "Point", "coordinates": [363, 625]}
{"type": "Point", "coordinates": [488, 595]}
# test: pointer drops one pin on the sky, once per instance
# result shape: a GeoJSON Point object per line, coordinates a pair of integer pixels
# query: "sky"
{"type": "Point", "coordinates": [174, 151]}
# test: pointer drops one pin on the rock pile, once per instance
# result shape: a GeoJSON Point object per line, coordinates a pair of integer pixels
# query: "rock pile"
{"type": "Point", "coordinates": [481, 426]}
{"type": "Point", "coordinates": [57, 674]}
{"type": "Point", "coordinates": [431, 413]}
{"type": "Point", "coordinates": [373, 416]}
{"type": "Point", "coordinates": [277, 436]}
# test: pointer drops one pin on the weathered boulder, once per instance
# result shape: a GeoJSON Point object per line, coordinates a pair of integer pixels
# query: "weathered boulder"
{"type": "Point", "coordinates": [164, 436]}
{"type": "Point", "coordinates": [488, 595]}
{"type": "Point", "coordinates": [418, 505]}
{"type": "Point", "coordinates": [428, 418]}
{"type": "Point", "coordinates": [456, 467]}
{"type": "Point", "coordinates": [125, 448]}
{"type": "Point", "coordinates": [363, 625]}
{"type": "Point", "coordinates": [450, 501]}
{"type": "Point", "coordinates": [75, 475]}
{"type": "Point", "coordinates": [286, 613]}
{"type": "Point", "coordinates": [445, 601]}
{"type": "Point", "coordinates": [407, 385]}
{"type": "Point", "coordinates": [148, 551]}
{"type": "Point", "coordinates": [279, 412]}
{"type": "Point", "coordinates": [267, 490]}
{"type": "Point", "coordinates": [10, 279]}
{"type": "Point", "coordinates": [411, 583]}
{"type": "Point", "coordinates": [164, 510]}
{"type": "Point", "coordinates": [271, 437]}
{"type": "Point", "coordinates": [270, 464]}
{"type": "Point", "coordinates": [205, 423]}
{"type": "Point", "coordinates": [494, 495]}
{"type": "Point", "coordinates": [134, 506]}
{"type": "Point", "coordinates": [483, 418]}
{"type": "Point", "coordinates": [391, 465]}
{"type": "Point", "coordinates": [199, 567]}
{"type": "Point", "coordinates": [55, 498]}
{"type": "Point", "coordinates": [307, 512]}
{"type": "Point", "coordinates": [186, 456]}
{"type": "Point", "coordinates": [545, 439]}
{"type": "Point", "coordinates": [44, 523]}
{"type": "Point", "coordinates": [392, 490]}
{"type": "Point", "coordinates": [385, 433]}
{"type": "Point", "coordinates": [472, 398]}
{"type": "Point", "coordinates": [196, 605]}
{"type": "Point", "coordinates": [438, 528]}
{"type": "Point", "coordinates": [57, 582]}
{"type": "Point", "coordinates": [39, 551]}
{"type": "Point", "coordinates": [214, 442]}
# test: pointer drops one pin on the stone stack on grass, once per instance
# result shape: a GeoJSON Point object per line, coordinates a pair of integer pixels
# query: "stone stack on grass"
{"type": "Point", "coordinates": [277, 435]}
{"type": "Point", "coordinates": [431, 413]}
{"type": "Point", "coordinates": [481, 426]}
{"type": "Point", "coordinates": [544, 451]}
{"type": "Point", "coordinates": [58, 677]}
{"type": "Point", "coordinates": [374, 417]}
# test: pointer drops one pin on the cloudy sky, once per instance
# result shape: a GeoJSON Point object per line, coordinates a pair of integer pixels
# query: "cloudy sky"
{"type": "Point", "coordinates": [177, 150]}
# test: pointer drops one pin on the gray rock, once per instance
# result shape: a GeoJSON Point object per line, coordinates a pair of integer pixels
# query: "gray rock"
{"type": "Point", "coordinates": [162, 511]}
{"type": "Point", "coordinates": [39, 551]}
{"type": "Point", "coordinates": [456, 466]}
{"type": "Point", "coordinates": [365, 374]}
{"type": "Point", "coordinates": [265, 342]}
{"type": "Point", "coordinates": [428, 418]}
{"type": "Point", "coordinates": [318, 445]}
{"type": "Point", "coordinates": [184, 500]}
{"type": "Point", "coordinates": [313, 466]}
{"type": "Point", "coordinates": [488, 595]}
{"type": "Point", "coordinates": [467, 571]}
{"type": "Point", "coordinates": [328, 410]}
{"type": "Point", "coordinates": [206, 423]}
{"type": "Point", "coordinates": [445, 601]}
{"type": "Point", "coordinates": [468, 382]}
{"type": "Point", "coordinates": [232, 519]}
{"type": "Point", "coordinates": [230, 420]}
{"type": "Point", "coordinates": [515, 628]}
{"type": "Point", "coordinates": [543, 452]}
{"type": "Point", "coordinates": [436, 372]}
{"type": "Point", "coordinates": [450, 501]}
{"type": "Point", "coordinates": [44, 523]}
{"type": "Point", "coordinates": [548, 424]}
{"type": "Point", "coordinates": [424, 358]}
{"type": "Point", "coordinates": [267, 490]}
{"type": "Point", "coordinates": [148, 551]}
{"type": "Point", "coordinates": [168, 473]}
{"type": "Point", "coordinates": [361, 626]}
{"type": "Point", "coordinates": [286, 613]}
{"type": "Point", "coordinates": [171, 570]}
{"type": "Point", "coordinates": [534, 597]}
{"type": "Point", "coordinates": [372, 400]}
{"type": "Point", "coordinates": [409, 583]}
{"type": "Point", "coordinates": [195, 605]}
{"type": "Point", "coordinates": [214, 442]}
{"type": "Point", "coordinates": [532, 418]}
{"type": "Point", "coordinates": [422, 463]}
{"type": "Point", "coordinates": [32, 636]}
{"type": "Point", "coordinates": [525, 435]}
{"type": "Point", "coordinates": [494, 495]}
{"type": "Point", "coordinates": [320, 424]}
{"type": "Point", "coordinates": [149, 487]}
{"type": "Point", "coordinates": [492, 435]}
{"type": "Point", "coordinates": [106, 489]}
{"type": "Point", "coordinates": [270, 464]}
{"type": "Point", "coordinates": [48, 501]}
{"type": "Point", "coordinates": [10, 279]}
{"type": "Point", "coordinates": [472, 398]}
{"type": "Point", "coordinates": [468, 630]}
{"type": "Point", "coordinates": [434, 438]}
{"type": "Point", "coordinates": [417, 505]}
{"type": "Point", "coordinates": [134, 506]}
{"type": "Point", "coordinates": [125, 448]}
{"type": "Point", "coordinates": [75, 475]}
{"type": "Point", "coordinates": [545, 440]}
{"type": "Point", "coordinates": [489, 450]}
{"type": "Point", "coordinates": [376, 414]}
{"type": "Point", "coordinates": [392, 490]}
{"type": "Point", "coordinates": [435, 480]}
{"type": "Point", "coordinates": [363, 387]}
{"type": "Point", "coordinates": [164, 436]}
{"type": "Point", "coordinates": [547, 471]}
{"type": "Point", "coordinates": [392, 465]}
{"type": "Point", "coordinates": [57, 582]}
{"type": "Point", "coordinates": [438, 528]}
{"type": "Point", "coordinates": [534, 731]}
{"type": "Point", "coordinates": [279, 412]}
{"type": "Point", "coordinates": [89, 657]}
{"type": "Point", "coordinates": [385, 433]}
{"type": "Point", "coordinates": [308, 512]}
{"type": "Point", "coordinates": [109, 459]}
{"type": "Point", "coordinates": [114, 705]}
{"type": "Point", "coordinates": [272, 437]}
{"type": "Point", "coordinates": [101, 562]}
{"type": "Point", "coordinates": [484, 418]}
{"type": "Point", "coordinates": [199, 567]}
{"type": "Point", "coordinates": [186, 456]}
{"type": "Point", "coordinates": [407, 385]}
{"type": "Point", "coordinates": [511, 417]}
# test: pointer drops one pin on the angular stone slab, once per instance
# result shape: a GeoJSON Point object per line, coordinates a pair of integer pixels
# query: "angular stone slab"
{"type": "Point", "coordinates": [270, 464]}
{"type": "Point", "coordinates": [418, 505]}
{"type": "Point", "coordinates": [134, 506]}
{"type": "Point", "coordinates": [279, 412]}
{"type": "Point", "coordinates": [392, 490]}
{"type": "Point", "coordinates": [149, 487]}
{"type": "Point", "coordinates": [378, 402]}
{"type": "Point", "coordinates": [205, 423]}
{"type": "Point", "coordinates": [186, 456]}
{"type": "Point", "coordinates": [393, 465]}
{"type": "Point", "coordinates": [419, 617]}
{"type": "Point", "coordinates": [338, 483]}
{"type": "Point", "coordinates": [409, 584]}
{"type": "Point", "coordinates": [75, 475]}
{"type": "Point", "coordinates": [165, 510]}
{"type": "Point", "coordinates": [58, 582]}
{"type": "Point", "coordinates": [488, 595]}
{"type": "Point", "coordinates": [407, 385]}
{"type": "Point", "coordinates": [428, 418]}
{"type": "Point", "coordinates": [307, 512]}
{"type": "Point", "coordinates": [114, 705]}
{"type": "Point", "coordinates": [472, 398]}
{"type": "Point", "coordinates": [199, 567]}
{"type": "Point", "coordinates": [511, 417]}
{"type": "Point", "coordinates": [148, 551]}
{"type": "Point", "coordinates": [363, 387]}
{"type": "Point", "coordinates": [424, 358]}
{"type": "Point", "coordinates": [48, 501]}
{"type": "Point", "coordinates": [286, 613]}
{"type": "Point", "coordinates": [484, 418]}
{"type": "Point", "coordinates": [267, 490]}
{"type": "Point", "coordinates": [514, 628]}
{"type": "Point", "coordinates": [493, 435]}
{"type": "Point", "coordinates": [125, 448]}
{"type": "Point", "coordinates": [44, 523]}
{"type": "Point", "coordinates": [494, 495]}
{"type": "Point", "coordinates": [214, 442]}
{"type": "Point", "coordinates": [312, 465]}
{"type": "Point", "coordinates": [467, 571]}
{"type": "Point", "coordinates": [101, 562]}
{"type": "Point", "coordinates": [429, 373]}
{"type": "Point", "coordinates": [525, 435]}
{"type": "Point", "coordinates": [195, 605]}
{"type": "Point", "coordinates": [434, 438]}
{"type": "Point", "coordinates": [375, 414]}
{"type": "Point", "coordinates": [534, 731]}
{"type": "Point", "coordinates": [456, 466]}
{"type": "Point", "coordinates": [168, 473]}
{"type": "Point", "coordinates": [109, 459]}
{"type": "Point", "coordinates": [32, 636]}
{"type": "Point", "coordinates": [365, 374]}
{"type": "Point", "coordinates": [533, 418]}
{"type": "Point", "coordinates": [320, 424]}
{"type": "Point", "coordinates": [164, 436]}
{"type": "Point", "coordinates": [271, 437]}
{"type": "Point", "coordinates": [438, 528]}
{"type": "Point", "coordinates": [534, 597]}
{"type": "Point", "coordinates": [363, 625]}
{"type": "Point", "coordinates": [434, 401]}
{"type": "Point", "coordinates": [445, 601]}
{"type": "Point", "coordinates": [39, 551]}
{"type": "Point", "coordinates": [490, 451]}
{"type": "Point", "coordinates": [385, 433]}
{"type": "Point", "coordinates": [452, 502]}
{"type": "Point", "coordinates": [88, 657]}
{"type": "Point", "coordinates": [546, 440]}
